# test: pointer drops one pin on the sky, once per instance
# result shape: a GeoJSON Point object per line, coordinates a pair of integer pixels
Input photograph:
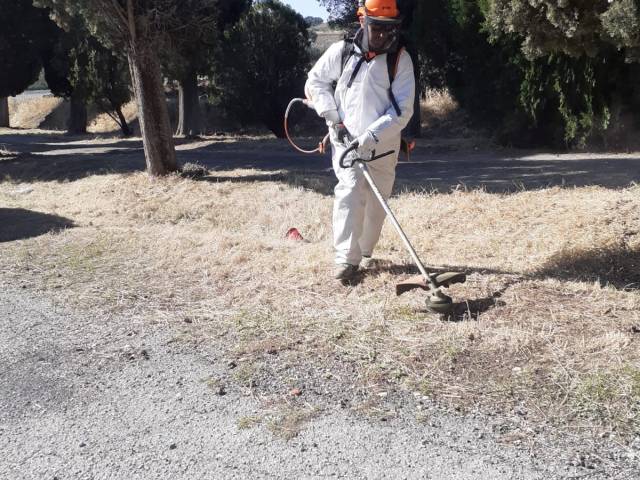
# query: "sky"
{"type": "Point", "coordinates": [308, 8]}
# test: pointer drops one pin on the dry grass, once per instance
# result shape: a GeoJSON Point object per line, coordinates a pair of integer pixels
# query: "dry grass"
{"type": "Point", "coordinates": [5, 153]}
{"type": "Point", "coordinates": [103, 123]}
{"type": "Point", "coordinates": [549, 317]}
{"type": "Point", "coordinates": [438, 105]}
{"type": "Point", "coordinates": [51, 113]}
{"type": "Point", "coordinates": [38, 112]}
{"type": "Point", "coordinates": [446, 125]}
{"type": "Point", "coordinates": [287, 424]}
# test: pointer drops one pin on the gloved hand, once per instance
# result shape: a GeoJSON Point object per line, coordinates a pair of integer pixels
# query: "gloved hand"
{"type": "Point", "coordinates": [339, 134]}
{"type": "Point", "coordinates": [332, 117]}
{"type": "Point", "coordinates": [337, 130]}
{"type": "Point", "coordinates": [366, 145]}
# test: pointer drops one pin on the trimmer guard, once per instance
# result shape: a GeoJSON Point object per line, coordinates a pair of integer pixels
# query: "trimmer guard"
{"type": "Point", "coordinates": [441, 280]}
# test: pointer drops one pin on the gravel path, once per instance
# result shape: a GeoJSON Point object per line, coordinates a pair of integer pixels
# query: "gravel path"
{"type": "Point", "coordinates": [85, 397]}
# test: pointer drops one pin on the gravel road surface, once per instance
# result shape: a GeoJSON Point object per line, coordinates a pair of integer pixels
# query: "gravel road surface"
{"type": "Point", "coordinates": [91, 397]}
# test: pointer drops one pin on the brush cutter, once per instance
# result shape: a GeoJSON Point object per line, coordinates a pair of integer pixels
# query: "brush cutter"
{"type": "Point", "coordinates": [437, 301]}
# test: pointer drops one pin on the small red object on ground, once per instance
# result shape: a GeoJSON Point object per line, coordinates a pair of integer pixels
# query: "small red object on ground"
{"type": "Point", "coordinates": [293, 234]}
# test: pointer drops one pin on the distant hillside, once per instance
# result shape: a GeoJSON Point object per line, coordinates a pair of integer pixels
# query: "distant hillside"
{"type": "Point", "coordinates": [325, 36]}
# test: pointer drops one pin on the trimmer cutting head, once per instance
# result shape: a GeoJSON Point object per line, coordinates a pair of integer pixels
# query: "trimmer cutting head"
{"type": "Point", "coordinates": [440, 303]}
{"type": "Point", "coordinates": [437, 302]}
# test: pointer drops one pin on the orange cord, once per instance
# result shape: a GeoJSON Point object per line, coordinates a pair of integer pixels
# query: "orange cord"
{"type": "Point", "coordinates": [321, 146]}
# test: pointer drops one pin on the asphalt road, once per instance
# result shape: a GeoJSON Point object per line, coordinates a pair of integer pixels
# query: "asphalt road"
{"type": "Point", "coordinates": [435, 165]}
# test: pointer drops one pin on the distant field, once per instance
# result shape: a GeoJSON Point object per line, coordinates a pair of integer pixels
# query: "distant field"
{"type": "Point", "coordinates": [325, 37]}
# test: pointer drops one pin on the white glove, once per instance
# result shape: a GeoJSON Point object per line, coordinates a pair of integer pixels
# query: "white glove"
{"type": "Point", "coordinates": [366, 145]}
{"type": "Point", "coordinates": [332, 117]}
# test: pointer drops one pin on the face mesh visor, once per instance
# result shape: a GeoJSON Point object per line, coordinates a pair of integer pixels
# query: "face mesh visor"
{"type": "Point", "coordinates": [381, 35]}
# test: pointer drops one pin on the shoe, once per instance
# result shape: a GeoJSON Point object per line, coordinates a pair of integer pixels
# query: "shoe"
{"type": "Point", "coordinates": [345, 271]}
{"type": "Point", "coordinates": [367, 263]}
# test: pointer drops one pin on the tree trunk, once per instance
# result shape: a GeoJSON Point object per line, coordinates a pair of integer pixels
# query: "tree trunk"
{"type": "Point", "coordinates": [189, 112]}
{"type": "Point", "coordinates": [124, 126]}
{"type": "Point", "coordinates": [4, 112]}
{"type": "Point", "coordinates": [157, 138]}
{"type": "Point", "coordinates": [77, 116]}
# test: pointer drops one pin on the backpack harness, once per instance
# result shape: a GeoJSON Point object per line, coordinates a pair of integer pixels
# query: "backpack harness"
{"type": "Point", "coordinates": [393, 59]}
{"type": "Point", "coordinates": [348, 50]}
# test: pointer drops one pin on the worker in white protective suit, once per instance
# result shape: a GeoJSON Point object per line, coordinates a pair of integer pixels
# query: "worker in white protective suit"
{"type": "Point", "coordinates": [373, 100]}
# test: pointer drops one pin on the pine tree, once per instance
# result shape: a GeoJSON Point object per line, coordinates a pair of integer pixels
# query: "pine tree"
{"type": "Point", "coordinates": [263, 64]}
{"type": "Point", "coordinates": [192, 52]}
{"type": "Point", "coordinates": [140, 28]}
{"type": "Point", "coordinates": [24, 32]}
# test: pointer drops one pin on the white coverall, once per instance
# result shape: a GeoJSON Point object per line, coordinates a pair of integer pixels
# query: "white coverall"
{"type": "Point", "coordinates": [357, 214]}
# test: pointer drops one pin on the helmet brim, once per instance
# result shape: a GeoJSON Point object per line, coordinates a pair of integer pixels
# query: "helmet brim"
{"type": "Point", "coordinates": [384, 20]}
{"type": "Point", "coordinates": [363, 11]}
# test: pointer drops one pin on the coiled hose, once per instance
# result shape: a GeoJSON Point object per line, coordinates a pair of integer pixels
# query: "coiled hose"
{"type": "Point", "coordinates": [322, 146]}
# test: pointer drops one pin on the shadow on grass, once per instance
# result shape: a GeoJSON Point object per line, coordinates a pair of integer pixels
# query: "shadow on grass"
{"type": "Point", "coordinates": [472, 309]}
{"type": "Point", "coordinates": [615, 266]}
{"type": "Point", "coordinates": [410, 269]}
{"type": "Point", "coordinates": [18, 224]}
{"type": "Point", "coordinates": [462, 311]}
{"type": "Point", "coordinates": [63, 158]}
{"type": "Point", "coordinates": [322, 184]}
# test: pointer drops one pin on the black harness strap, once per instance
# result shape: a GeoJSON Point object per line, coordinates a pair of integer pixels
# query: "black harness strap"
{"type": "Point", "coordinates": [392, 67]}
{"type": "Point", "coordinates": [355, 72]}
{"type": "Point", "coordinates": [347, 51]}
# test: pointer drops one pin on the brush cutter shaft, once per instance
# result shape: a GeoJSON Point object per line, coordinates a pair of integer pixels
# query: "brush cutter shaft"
{"type": "Point", "coordinates": [376, 191]}
{"type": "Point", "coordinates": [394, 221]}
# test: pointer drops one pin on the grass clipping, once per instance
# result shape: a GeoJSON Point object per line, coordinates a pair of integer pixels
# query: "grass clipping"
{"type": "Point", "coordinates": [549, 318]}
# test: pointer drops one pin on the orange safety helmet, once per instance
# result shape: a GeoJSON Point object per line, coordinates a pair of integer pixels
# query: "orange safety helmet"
{"type": "Point", "coordinates": [379, 8]}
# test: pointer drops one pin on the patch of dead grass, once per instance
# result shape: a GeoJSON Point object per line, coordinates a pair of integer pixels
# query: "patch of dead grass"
{"type": "Point", "coordinates": [32, 112]}
{"type": "Point", "coordinates": [533, 327]}
{"type": "Point", "coordinates": [446, 126]}
{"type": "Point", "coordinates": [5, 153]}
{"type": "Point", "coordinates": [288, 421]}
{"type": "Point", "coordinates": [438, 104]}
{"type": "Point", "coordinates": [104, 123]}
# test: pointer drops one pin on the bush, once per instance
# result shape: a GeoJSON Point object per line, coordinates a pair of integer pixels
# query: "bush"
{"type": "Point", "coordinates": [264, 63]}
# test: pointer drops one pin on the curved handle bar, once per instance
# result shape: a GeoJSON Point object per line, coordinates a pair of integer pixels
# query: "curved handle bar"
{"type": "Point", "coordinates": [343, 157]}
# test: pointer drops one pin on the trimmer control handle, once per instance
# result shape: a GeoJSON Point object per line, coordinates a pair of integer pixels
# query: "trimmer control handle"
{"type": "Point", "coordinates": [344, 163]}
